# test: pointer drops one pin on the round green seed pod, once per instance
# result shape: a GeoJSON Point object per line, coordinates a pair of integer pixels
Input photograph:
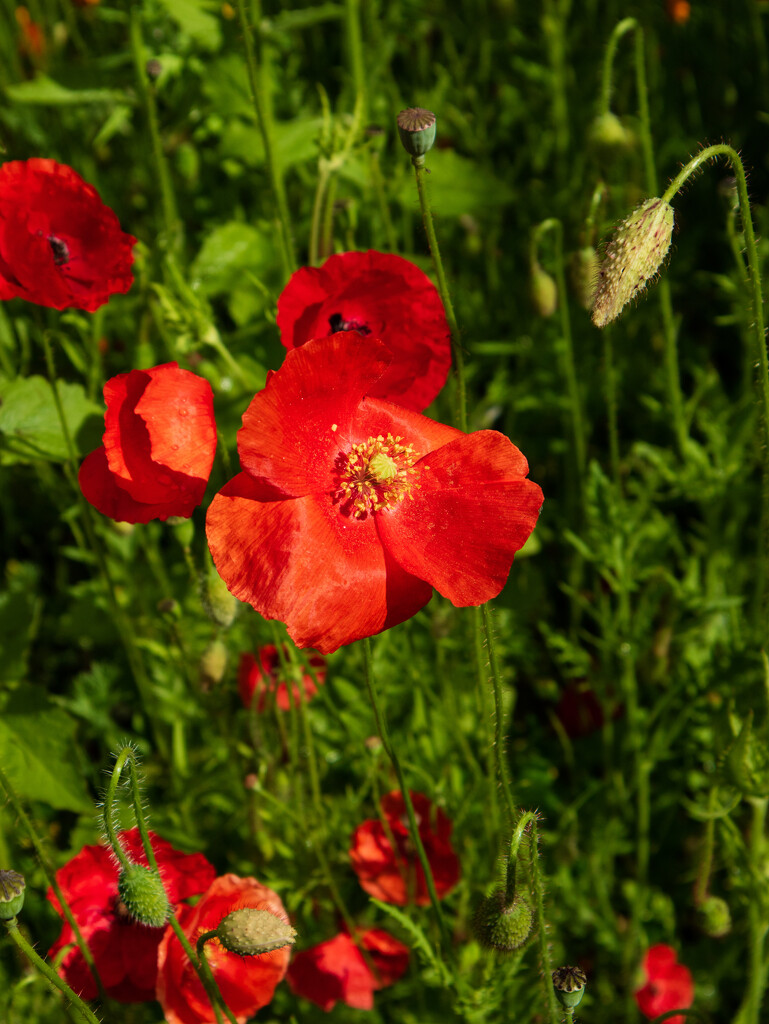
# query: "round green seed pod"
{"type": "Point", "coordinates": [608, 134]}
{"type": "Point", "coordinates": [569, 984]}
{"type": "Point", "coordinates": [543, 291]}
{"type": "Point", "coordinates": [218, 603]}
{"type": "Point", "coordinates": [249, 932]}
{"type": "Point", "coordinates": [416, 128]}
{"type": "Point", "coordinates": [714, 917]}
{"type": "Point", "coordinates": [501, 925]}
{"type": "Point", "coordinates": [142, 894]}
{"type": "Point", "coordinates": [12, 887]}
{"type": "Point", "coordinates": [213, 664]}
{"type": "Point", "coordinates": [584, 265]}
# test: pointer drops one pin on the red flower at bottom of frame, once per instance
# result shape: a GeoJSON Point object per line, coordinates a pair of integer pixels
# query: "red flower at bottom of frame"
{"type": "Point", "coordinates": [265, 682]}
{"type": "Point", "coordinates": [669, 985]}
{"type": "Point", "coordinates": [336, 970]}
{"type": "Point", "coordinates": [246, 982]}
{"type": "Point", "coordinates": [159, 445]}
{"type": "Point", "coordinates": [124, 951]}
{"type": "Point", "coordinates": [349, 509]}
{"type": "Point", "coordinates": [395, 875]}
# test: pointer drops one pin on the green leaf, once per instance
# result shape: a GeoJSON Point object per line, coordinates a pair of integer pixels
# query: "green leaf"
{"type": "Point", "coordinates": [228, 251]}
{"type": "Point", "coordinates": [37, 750]}
{"type": "Point", "coordinates": [43, 91]}
{"type": "Point", "coordinates": [420, 941]}
{"type": "Point", "coordinates": [457, 185]}
{"type": "Point", "coordinates": [194, 18]}
{"type": "Point", "coordinates": [29, 423]}
{"type": "Point", "coordinates": [19, 612]}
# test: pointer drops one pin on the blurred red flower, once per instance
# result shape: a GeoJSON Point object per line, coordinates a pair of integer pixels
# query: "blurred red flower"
{"type": "Point", "coordinates": [379, 296]}
{"type": "Point", "coordinates": [32, 40]}
{"type": "Point", "coordinates": [159, 445]}
{"type": "Point", "coordinates": [351, 509]}
{"type": "Point", "coordinates": [669, 985]}
{"type": "Point", "coordinates": [395, 875]}
{"type": "Point", "coordinates": [246, 982]}
{"type": "Point", "coordinates": [124, 951]}
{"type": "Point", "coordinates": [336, 970]}
{"type": "Point", "coordinates": [678, 11]}
{"type": "Point", "coordinates": [267, 678]}
{"type": "Point", "coordinates": [60, 246]}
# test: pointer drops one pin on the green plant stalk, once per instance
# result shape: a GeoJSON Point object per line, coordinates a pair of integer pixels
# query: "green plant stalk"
{"type": "Point", "coordinates": [355, 50]}
{"type": "Point", "coordinates": [171, 221]}
{"type": "Point", "coordinates": [610, 394]}
{"type": "Point", "coordinates": [384, 736]}
{"type": "Point", "coordinates": [384, 209]}
{"type": "Point", "coordinates": [757, 924]}
{"type": "Point", "coordinates": [205, 973]}
{"type": "Point", "coordinates": [499, 715]}
{"type": "Point", "coordinates": [327, 233]}
{"type": "Point", "coordinates": [50, 875]}
{"type": "Point", "coordinates": [702, 881]}
{"type": "Point", "coordinates": [759, 333]}
{"type": "Point", "coordinates": [607, 71]}
{"type": "Point", "coordinates": [554, 17]}
{"type": "Point", "coordinates": [538, 889]}
{"type": "Point", "coordinates": [121, 624]}
{"type": "Point", "coordinates": [324, 175]}
{"type": "Point", "coordinates": [12, 927]}
{"type": "Point", "coordinates": [288, 256]}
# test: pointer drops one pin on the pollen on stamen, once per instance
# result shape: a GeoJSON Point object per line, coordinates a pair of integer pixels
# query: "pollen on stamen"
{"type": "Point", "coordinates": [375, 474]}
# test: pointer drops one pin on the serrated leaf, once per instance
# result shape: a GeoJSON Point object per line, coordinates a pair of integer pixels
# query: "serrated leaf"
{"type": "Point", "coordinates": [29, 422]}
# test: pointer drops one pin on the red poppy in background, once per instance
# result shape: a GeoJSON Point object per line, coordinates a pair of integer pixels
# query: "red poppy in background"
{"type": "Point", "coordinates": [395, 875]}
{"type": "Point", "coordinates": [159, 445]}
{"type": "Point", "coordinates": [379, 296]}
{"type": "Point", "coordinates": [124, 951]}
{"type": "Point", "coordinates": [246, 982]}
{"type": "Point", "coordinates": [60, 246]}
{"type": "Point", "coordinates": [268, 677]}
{"type": "Point", "coordinates": [669, 985]}
{"type": "Point", "coordinates": [350, 509]}
{"type": "Point", "coordinates": [336, 970]}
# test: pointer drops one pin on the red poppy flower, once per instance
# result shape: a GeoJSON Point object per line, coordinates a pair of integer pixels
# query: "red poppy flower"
{"type": "Point", "coordinates": [268, 677]}
{"type": "Point", "coordinates": [351, 509]}
{"type": "Point", "coordinates": [124, 951]}
{"type": "Point", "coordinates": [669, 985]}
{"type": "Point", "coordinates": [395, 875]}
{"type": "Point", "coordinates": [159, 445]}
{"type": "Point", "coordinates": [246, 982]}
{"type": "Point", "coordinates": [60, 246]}
{"type": "Point", "coordinates": [336, 970]}
{"type": "Point", "coordinates": [379, 296]}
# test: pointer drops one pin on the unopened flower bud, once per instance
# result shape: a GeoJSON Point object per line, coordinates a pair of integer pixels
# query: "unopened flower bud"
{"type": "Point", "coordinates": [213, 664]}
{"type": "Point", "coordinates": [249, 932]}
{"type": "Point", "coordinates": [12, 887]}
{"type": "Point", "coordinates": [714, 917]}
{"type": "Point", "coordinates": [142, 894]}
{"type": "Point", "coordinates": [499, 924]}
{"type": "Point", "coordinates": [747, 762]}
{"type": "Point", "coordinates": [416, 128]}
{"type": "Point", "coordinates": [569, 984]}
{"type": "Point", "coordinates": [219, 604]}
{"type": "Point", "coordinates": [609, 135]}
{"type": "Point", "coordinates": [584, 265]}
{"type": "Point", "coordinates": [543, 291]}
{"type": "Point", "coordinates": [633, 256]}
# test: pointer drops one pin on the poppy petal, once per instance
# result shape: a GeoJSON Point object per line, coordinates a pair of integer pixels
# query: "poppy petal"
{"type": "Point", "coordinates": [100, 488]}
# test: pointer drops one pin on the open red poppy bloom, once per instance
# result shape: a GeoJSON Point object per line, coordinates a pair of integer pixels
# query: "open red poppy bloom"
{"type": "Point", "coordinates": [246, 982]}
{"type": "Point", "coordinates": [60, 246]}
{"type": "Point", "coordinates": [351, 509]}
{"type": "Point", "coordinates": [395, 875]}
{"type": "Point", "coordinates": [124, 951]}
{"type": "Point", "coordinates": [266, 680]}
{"type": "Point", "coordinates": [669, 985]}
{"type": "Point", "coordinates": [159, 445]}
{"type": "Point", "coordinates": [379, 296]}
{"type": "Point", "coordinates": [336, 970]}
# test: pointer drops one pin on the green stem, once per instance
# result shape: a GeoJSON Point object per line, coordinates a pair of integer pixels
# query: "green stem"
{"type": "Point", "coordinates": [205, 973]}
{"type": "Point", "coordinates": [324, 174]}
{"type": "Point", "coordinates": [499, 715]}
{"type": "Point", "coordinates": [702, 882]}
{"type": "Point", "coordinates": [127, 756]}
{"type": "Point", "coordinates": [757, 924]}
{"type": "Point", "coordinates": [48, 972]}
{"type": "Point", "coordinates": [384, 735]}
{"type": "Point", "coordinates": [538, 889]}
{"type": "Point", "coordinates": [263, 121]}
{"type": "Point", "coordinates": [610, 394]}
{"type": "Point", "coordinates": [50, 874]}
{"type": "Point", "coordinates": [355, 47]}
{"type": "Point", "coordinates": [619, 30]}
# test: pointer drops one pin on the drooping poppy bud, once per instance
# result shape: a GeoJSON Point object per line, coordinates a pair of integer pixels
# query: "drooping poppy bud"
{"type": "Point", "coordinates": [12, 886]}
{"type": "Point", "coordinates": [584, 265]}
{"type": "Point", "coordinates": [714, 917]}
{"type": "Point", "coordinates": [501, 924]}
{"type": "Point", "coordinates": [250, 932]}
{"type": "Point", "coordinates": [142, 894]}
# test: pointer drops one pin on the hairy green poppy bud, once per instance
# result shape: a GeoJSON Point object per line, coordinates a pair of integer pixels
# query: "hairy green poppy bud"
{"type": "Point", "coordinates": [569, 984]}
{"type": "Point", "coordinates": [499, 924]}
{"type": "Point", "coordinates": [747, 762]}
{"type": "Point", "coordinates": [12, 886]}
{"type": "Point", "coordinates": [633, 256]}
{"type": "Point", "coordinates": [714, 917]}
{"type": "Point", "coordinates": [584, 265]}
{"type": "Point", "coordinates": [249, 932]}
{"type": "Point", "coordinates": [142, 894]}
{"type": "Point", "coordinates": [218, 603]}
{"type": "Point", "coordinates": [416, 128]}
{"type": "Point", "coordinates": [609, 135]}
{"type": "Point", "coordinates": [543, 291]}
{"type": "Point", "coordinates": [213, 664]}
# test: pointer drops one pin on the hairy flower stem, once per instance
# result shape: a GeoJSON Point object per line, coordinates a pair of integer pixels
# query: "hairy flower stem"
{"type": "Point", "coordinates": [264, 122]}
{"type": "Point", "coordinates": [12, 926]}
{"type": "Point", "coordinates": [538, 892]}
{"type": "Point", "coordinates": [384, 736]}
{"type": "Point", "coordinates": [499, 717]}
{"type": "Point", "coordinates": [759, 333]}
{"type": "Point", "coordinates": [757, 924]}
{"type": "Point", "coordinates": [50, 875]}
{"type": "Point", "coordinates": [120, 619]}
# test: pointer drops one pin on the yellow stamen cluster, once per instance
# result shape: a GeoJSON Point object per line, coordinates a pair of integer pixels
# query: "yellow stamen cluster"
{"type": "Point", "coordinates": [375, 474]}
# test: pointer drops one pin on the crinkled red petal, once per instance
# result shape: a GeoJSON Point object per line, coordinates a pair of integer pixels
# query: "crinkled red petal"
{"type": "Point", "coordinates": [100, 487]}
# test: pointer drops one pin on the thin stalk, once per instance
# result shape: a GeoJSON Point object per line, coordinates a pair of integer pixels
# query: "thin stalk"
{"type": "Point", "coordinates": [757, 924]}
{"type": "Point", "coordinates": [48, 972]}
{"type": "Point", "coordinates": [384, 736]}
{"type": "Point", "coordinates": [499, 715]}
{"type": "Point", "coordinates": [355, 50]}
{"type": "Point", "coordinates": [610, 394]}
{"type": "Point", "coordinates": [50, 875]}
{"type": "Point", "coordinates": [324, 174]}
{"type": "Point", "coordinates": [538, 890]}
{"type": "Point", "coordinates": [384, 209]}
{"type": "Point", "coordinates": [702, 881]}
{"type": "Point", "coordinates": [263, 121]}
